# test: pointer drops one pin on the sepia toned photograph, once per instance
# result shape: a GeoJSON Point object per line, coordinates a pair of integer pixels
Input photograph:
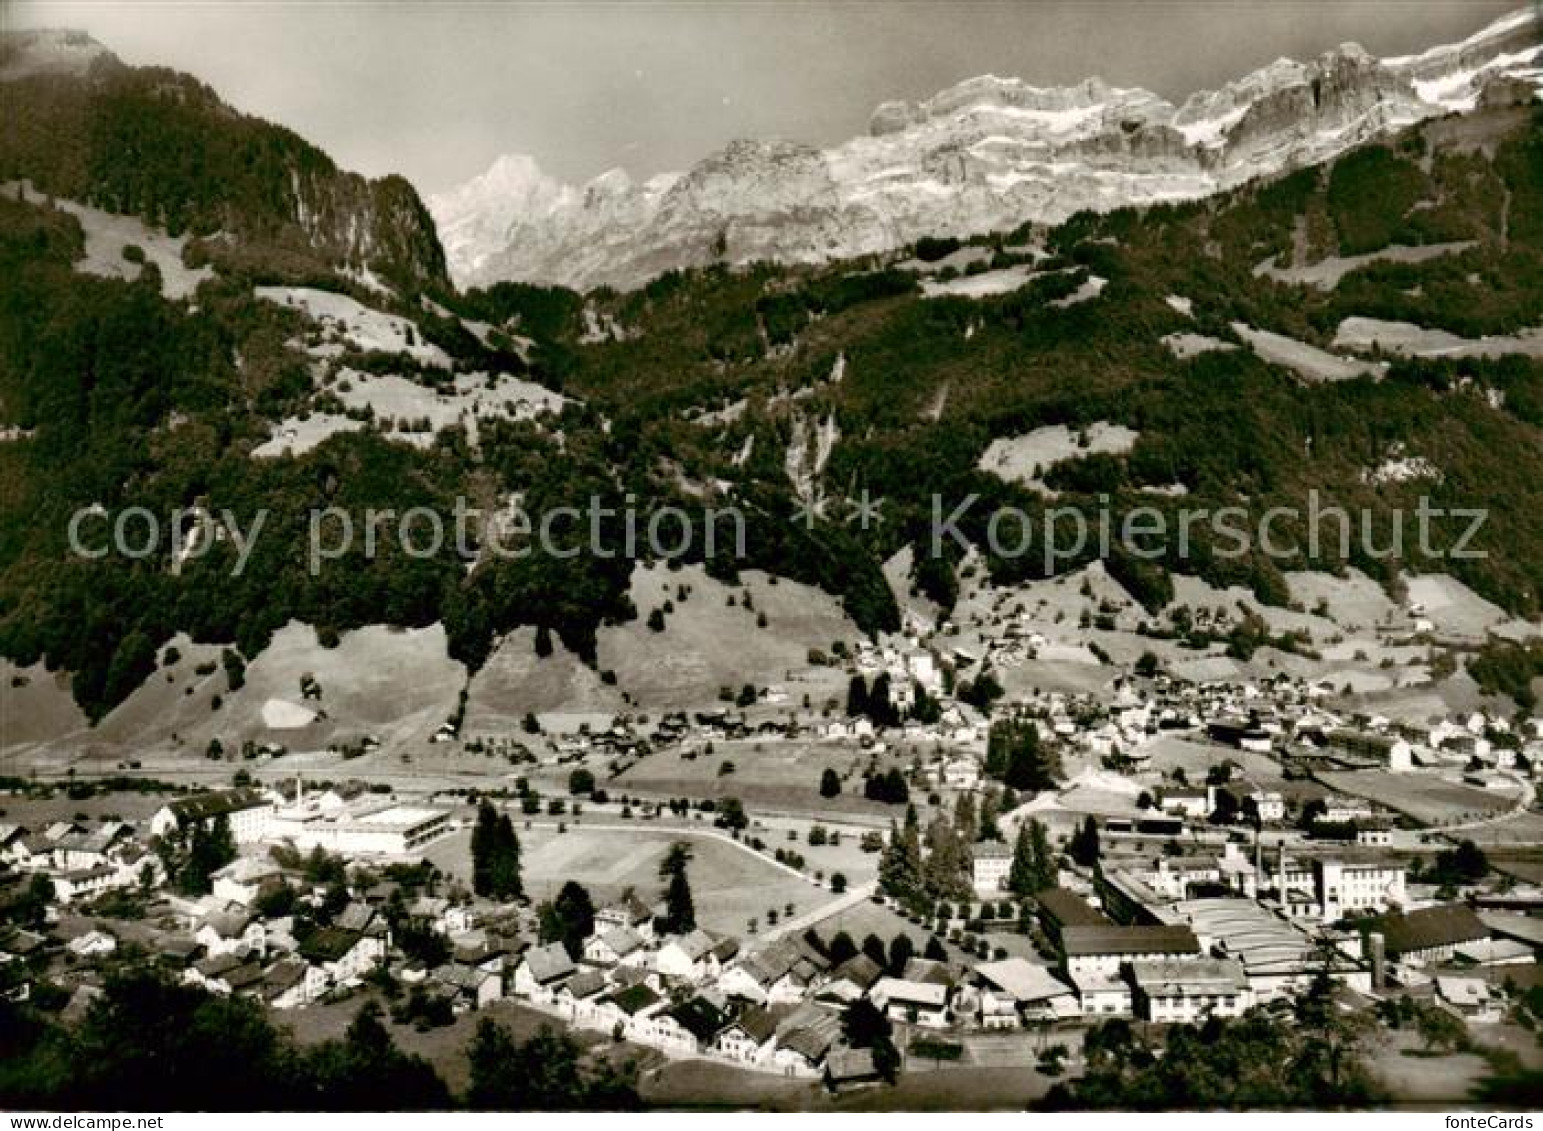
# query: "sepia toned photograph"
{"type": "Point", "coordinates": [804, 557]}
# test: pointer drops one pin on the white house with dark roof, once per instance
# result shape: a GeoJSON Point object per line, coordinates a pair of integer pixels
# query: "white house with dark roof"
{"type": "Point", "coordinates": [249, 812]}
{"type": "Point", "coordinates": [613, 946]}
{"type": "Point", "coordinates": [689, 957]}
{"type": "Point", "coordinates": [542, 971]}
{"type": "Point", "coordinates": [1106, 950]}
{"type": "Point", "coordinates": [781, 972]}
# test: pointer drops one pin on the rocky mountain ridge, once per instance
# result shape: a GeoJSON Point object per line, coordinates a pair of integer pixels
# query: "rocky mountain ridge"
{"type": "Point", "coordinates": [987, 154]}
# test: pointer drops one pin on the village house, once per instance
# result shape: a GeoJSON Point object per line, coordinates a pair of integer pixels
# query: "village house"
{"type": "Point", "coordinates": [13, 845]}
{"type": "Point", "coordinates": [226, 974]}
{"type": "Point", "coordinates": [1472, 999]}
{"type": "Point", "coordinates": [1193, 804]}
{"type": "Point", "coordinates": [781, 972]}
{"type": "Point", "coordinates": [1268, 804]}
{"type": "Point", "coordinates": [688, 1027]}
{"type": "Point", "coordinates": [79, 850]}
{"type": "Point", "coordinates": [1101, 994]}
{"type": "Point", "coordinates": [88, 883]}
{"type": "Point", "coordinates": [226, 930]}
{"type": "Point", "coordinates": [752, 1036]}
{"type": "Point", "coordinates": [1105, 950]}
{"type": "Point", "coordinates": [243, 879]}
{"type": "Point", "coordinates": [291, 983]}
{"type": "Point", "coordinates": [630, 912]}
{"type": "Point", "coordinates": [472, 987]}
{"type": "Point", "coordinates": [441, 915]}
{"type": "Point", "coordinates": [851, 980]}
{"type": "Point", "coordinates": [345, 956]}
{"type": "Point", "coordinates": [691, 957]}
{"type": "Point", "coordinates": [635, 1006]}
{"type": "Point", "coordinates": [961, 773]}
{"type": "Point", "coordinates": [1342, 810]}
{"type": "Point", "coordinates": [542, 970]}
{"type": "Point", "coordinates": [1431, 934]}
{"type": "Point", "coordinates": [917, 1003]}
{"type": "Point", "coordinates": [92, 944]}
{"type": "Point", "coordinates": [1013, 990]}
{"type": "Point", "coordinates": [578, 997]}
{"type": "Point", "coordinates": [613, 946]}
{"type": "Point", "coordinates": [249, 812]}
{"type": "Point", "coordinates": [992, 862]}
{"type": "Point", "coordinates": [1186, 991]}
{"type": "Point", "coordinates": [804, 1039]}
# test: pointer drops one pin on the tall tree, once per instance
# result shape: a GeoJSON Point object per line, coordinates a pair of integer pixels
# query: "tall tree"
{"type": "Point", "coordinates": [857, 697]}
{"type": "Point", "coordinates": [1033, 868]}
{"type": "Point", "coordinates": [1047, 872]}
{"type": "Point", "coordinates": [544, 1073]}
{"type": "Point", "coordinates": [483, 835]}
{"type": "Point", "coordinates": [986, 822]}
{"type": "Point", "coordinates": [841, 948]}
{"type": "Point", "coordinates": [1017, 755]}
{"type": "Point", "coordinates": [880, 709]}
{"type": "Point", "coordinates": [1084, 845]}
{"type": "Point", "coordinates": [946, 868]}
{"type": "Point", "coordinates": [900, 866]}
{"type": "Point", "coordinates": [964, 817]}
{"type": "Point", "coordinates": [504, 881]}
{"type": "Point", "coordinates": [568, 919]}
{"type": "Point", "coordinates": [195, 851]}
{"type": "Point", "coordinates": [865, 1027]}
{"type": "Point", "coordinates": [679, 910]}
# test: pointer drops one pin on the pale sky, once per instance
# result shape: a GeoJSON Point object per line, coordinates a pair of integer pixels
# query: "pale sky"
{"type": "Point", "coordinates": [436, 91]}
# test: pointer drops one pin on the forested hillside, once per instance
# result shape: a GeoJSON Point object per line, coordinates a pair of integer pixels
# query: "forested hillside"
{"type": "Point", "coordinates": [693, 388]}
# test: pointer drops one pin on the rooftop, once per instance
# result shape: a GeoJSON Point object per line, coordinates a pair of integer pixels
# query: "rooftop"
{"type": "Point", "coordinates": [1192, 978]}
{"type": "Point", "coordinates": [1083, 941]}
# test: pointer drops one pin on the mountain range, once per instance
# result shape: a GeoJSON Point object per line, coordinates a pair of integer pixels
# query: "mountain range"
{"type": "Point", "coordinates": [987, 154]}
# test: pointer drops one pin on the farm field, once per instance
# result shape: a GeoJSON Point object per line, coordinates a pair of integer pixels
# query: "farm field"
{"type": "Point", "coordinates": [713, 634]}
{"type": "Point", "coordinates": [1024, 459]}
{"type": "Point", "coordinates": [1428, 799]}
{"type": "Point", "coordinates": [764, 772]}
{"type": "Point", "coordinates": [730, 885]}
{"type": "Point", "coordinates": [1170, 752]}
{"type": "Point", "coordinates": [1522, 829]}
{"type": "Point", "coordinates": [847, 857]}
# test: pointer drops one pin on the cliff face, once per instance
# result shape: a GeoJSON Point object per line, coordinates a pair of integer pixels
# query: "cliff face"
{"type": "Point", "coordinates": [154, 143]}
{"type": "Point", "coordinates": [987, 154]}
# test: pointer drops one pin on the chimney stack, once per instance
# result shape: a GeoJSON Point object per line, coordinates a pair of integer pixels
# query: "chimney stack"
{"type": "Point", "coordinates": [1376, 953]}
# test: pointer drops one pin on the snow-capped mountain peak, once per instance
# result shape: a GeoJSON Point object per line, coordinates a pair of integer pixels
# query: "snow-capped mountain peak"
{"type": "Point", "coordinates": [988, 153]}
